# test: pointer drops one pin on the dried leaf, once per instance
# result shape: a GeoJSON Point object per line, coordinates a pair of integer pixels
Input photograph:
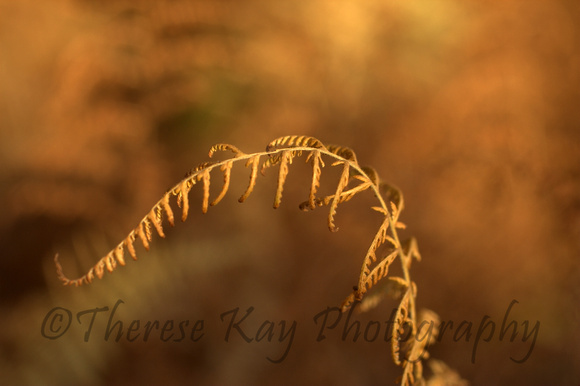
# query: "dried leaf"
{"type": "Point", "coordinates": [227, 169]}
{"type": "Point", "coordinates": [254, 162]}
{"type": "Point", "coordinates": [342, 183]}
{"type": "Point", "coordinates": [286, 160]}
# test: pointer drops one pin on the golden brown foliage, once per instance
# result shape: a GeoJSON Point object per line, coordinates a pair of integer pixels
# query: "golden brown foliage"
{"type": "Point", "coordinates": [353, 180]}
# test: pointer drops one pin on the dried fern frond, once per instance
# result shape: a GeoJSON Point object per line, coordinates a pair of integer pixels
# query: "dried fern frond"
{"type": "Point", "coordinates": [294, 141]}
{"type": "Point", "coordinates": [394, 286]}
{"type": "Point", "coordinates": [254, 162]}
{"type": "Point", "coordinates": [227, 169]}
{"type": "Point", "coordinates": [317, 165]}
{"type": "Point", "coordinates": [354, 179]}
{"type": "Point", "coordinates": [225, 147]}
{"type": "Point", "coordinates": [285, 161]}
{"type": "Point", "coordinates": [343, 152]}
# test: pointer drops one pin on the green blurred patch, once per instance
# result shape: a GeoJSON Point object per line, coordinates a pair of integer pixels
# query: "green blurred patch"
{"type": "Point", "coordinates": [217, 109]}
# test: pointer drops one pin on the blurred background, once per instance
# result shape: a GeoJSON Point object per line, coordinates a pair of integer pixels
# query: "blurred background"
{"type": "Point", "coordinates": [470, 109]}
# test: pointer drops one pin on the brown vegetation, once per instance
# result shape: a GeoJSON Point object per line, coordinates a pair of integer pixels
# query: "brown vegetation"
{"type": "Point", "coordinates": [470, 108]}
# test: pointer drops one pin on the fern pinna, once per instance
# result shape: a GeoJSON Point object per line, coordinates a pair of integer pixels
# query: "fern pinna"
{"type": "Point", "coordinates": [353, 180]}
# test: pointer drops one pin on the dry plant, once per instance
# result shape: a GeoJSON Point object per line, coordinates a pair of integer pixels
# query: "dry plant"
{"type": "Point", "coordinates": [407, 351]}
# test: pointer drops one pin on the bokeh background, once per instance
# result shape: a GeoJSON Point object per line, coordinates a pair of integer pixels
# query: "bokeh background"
{"type": "Point", "coordinates": [470, 108]}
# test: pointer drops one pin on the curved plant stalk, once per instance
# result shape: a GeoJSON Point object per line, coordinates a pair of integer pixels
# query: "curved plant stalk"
{"type": "Point", "coordinates": [353, 180]}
